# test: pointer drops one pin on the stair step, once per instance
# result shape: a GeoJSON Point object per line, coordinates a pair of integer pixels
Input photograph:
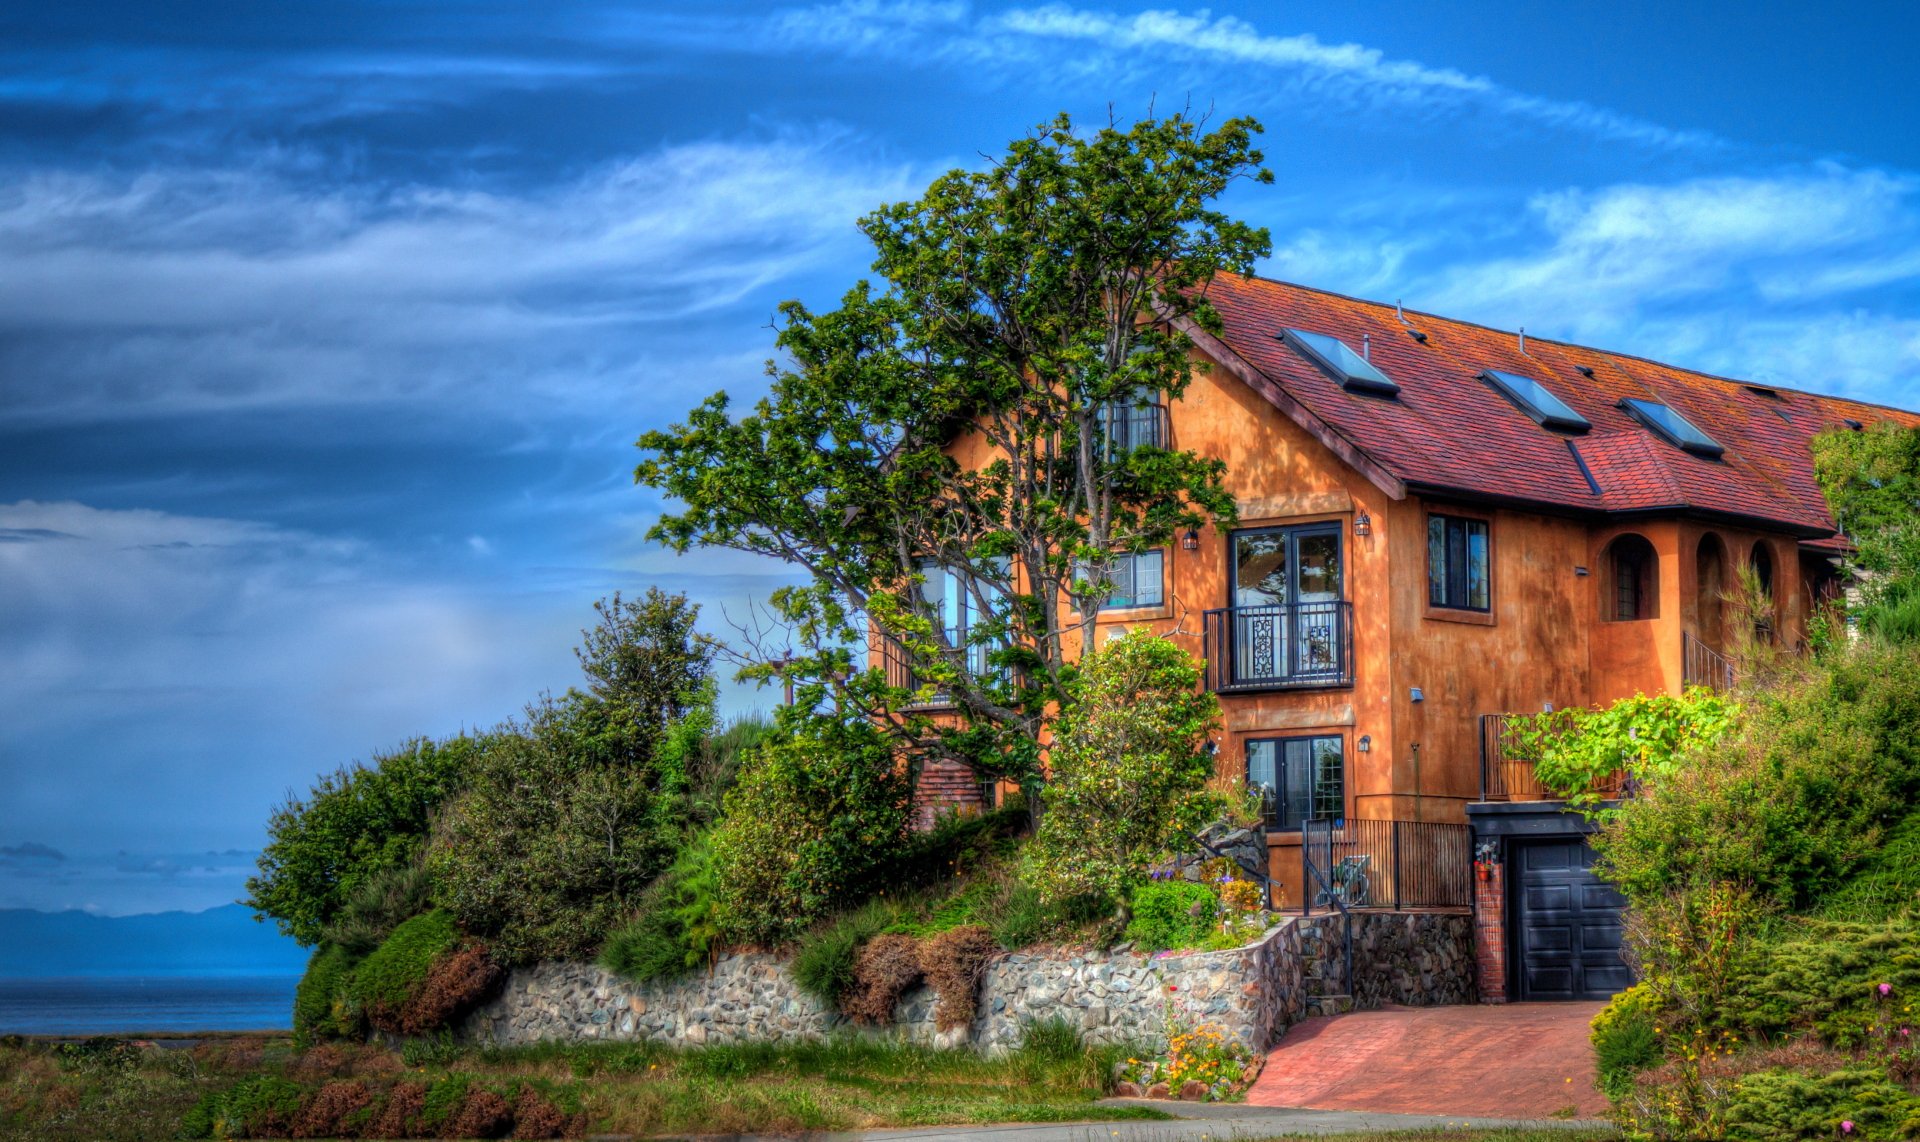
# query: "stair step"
{"type": "Point", "coordinates": [1329, 1004]}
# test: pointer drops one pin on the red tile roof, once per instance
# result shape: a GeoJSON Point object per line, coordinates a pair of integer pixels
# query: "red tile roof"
{"type": "Point", "coordinates": [1448, 431]}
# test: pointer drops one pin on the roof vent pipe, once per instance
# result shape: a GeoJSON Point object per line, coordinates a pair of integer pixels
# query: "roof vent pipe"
{"type": "Point", "coordinates": [1366, 346]}
{"type": "Point", "coordinates": [1523, 338]}
{"type": "Point", "coordinates": [1400, 313]}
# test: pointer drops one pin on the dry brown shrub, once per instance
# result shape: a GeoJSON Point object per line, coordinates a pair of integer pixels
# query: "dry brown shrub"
{"type": "Point", "coordinates": [484, 1114]}
{"type": "Point", "coordinates": [456, 984]}
{"type": "Point", "coordinates": [535, 1117]}
{"type": "Point", "coordinates": [402, 1112]}
{"type": "Point", "coordinates": [954, 961]}
{"type": "Point", "coordinates": [320, 1118]}
{"type": "Point", "coordinates": [324, 1061]}
{"type": "Point", "coordinates": [886, 967]}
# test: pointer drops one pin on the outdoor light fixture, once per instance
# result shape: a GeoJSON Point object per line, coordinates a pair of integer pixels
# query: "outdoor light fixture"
{"type": "Point", "coordinates": [1416, 695]}
{"type": "Point", "coordinates": [1191, 541]}
{"type": "Point", "coordinates": [1363, 524]}
{"type": "Point", "coordinates": [1365, 744]}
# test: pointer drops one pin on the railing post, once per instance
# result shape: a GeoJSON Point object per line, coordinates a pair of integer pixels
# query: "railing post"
{"type": "Point", "coordinates": [1306, 872]}
{"type": "Point", "coordinates": [1396, 865]}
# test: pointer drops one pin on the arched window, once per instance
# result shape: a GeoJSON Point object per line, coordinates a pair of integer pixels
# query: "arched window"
{"type": "Point", "coordinates": [1710, 587]}
{"type": "Point", "coordinates": [1632, 584]}
{"type": "Point", "coordinates": [1763, 615]}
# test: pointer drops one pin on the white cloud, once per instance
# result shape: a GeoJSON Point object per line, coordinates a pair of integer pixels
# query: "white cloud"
{"type": "Point", "coordinates": [1803, 277]}
{"type": "Point", "coordinates": [186, 288]}
{"type": "Point", "coordinates": [1063, 35]}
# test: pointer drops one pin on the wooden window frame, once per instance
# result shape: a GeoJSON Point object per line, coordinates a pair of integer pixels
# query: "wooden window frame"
{"type": "Point", "coordinates": [1469, 616]}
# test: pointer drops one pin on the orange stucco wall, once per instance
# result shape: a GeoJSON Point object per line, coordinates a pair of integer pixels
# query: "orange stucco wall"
{"type": "Point", "coordinates": [1548, 637]}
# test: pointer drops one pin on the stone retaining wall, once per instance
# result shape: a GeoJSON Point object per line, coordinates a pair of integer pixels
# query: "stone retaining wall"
{"type": "Point", "coordinates": [1253, 993]}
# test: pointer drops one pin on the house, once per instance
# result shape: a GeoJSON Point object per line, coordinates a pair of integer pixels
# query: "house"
{"type": "Point", "coordinates": [1440, 524]}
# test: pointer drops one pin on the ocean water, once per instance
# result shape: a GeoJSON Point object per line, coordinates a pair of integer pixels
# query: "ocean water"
{"type": "Point", "coordinates": [101, 1005]}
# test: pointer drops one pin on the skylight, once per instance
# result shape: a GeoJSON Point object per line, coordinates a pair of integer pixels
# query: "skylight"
{"type": "Point", "coordinates": [1677, 429]}
{"type": "Point", "coordinates": [1532, 397]}
{"type": "Point", "coordinates": [1348, 367]}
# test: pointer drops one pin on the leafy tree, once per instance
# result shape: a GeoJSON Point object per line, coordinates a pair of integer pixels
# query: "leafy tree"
{"type": "Point", "coordinates": [354, 825]}
{"type": "Point", "coordinates": [647, 672]}
{"type": "Point", "coordinates": [1023, 306]}
{"type": "Point", "coordinates": [1872, 482]}
{"type": "Point", "coordinates": [1130, 770]}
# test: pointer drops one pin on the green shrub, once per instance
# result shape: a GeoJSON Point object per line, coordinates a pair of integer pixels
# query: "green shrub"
{"type": "Point", "coordinates": [570, 813]}
{"type": "Point", "coordinates": [379, 904]}
{"type": "Point", "coordinates": [817, 820]}
{"type": "Point", "coordinates": [1626, 1040]}
{"type": "Point", "coordinates": [824, 964]}
{"type": "Point", "coordinates": [1807, 785]}
{"type": "Point", "coordinates": [1790, 1105]}
{"type": "Point", "coordinates": [352, 826]}
{"type": "Point", "coordinates": [676, 925]}
{"type": "Point", "coordinates": [1824, 977]}
{"type": "Point", "coordinates": [1130, 769]}
{"type": "Point", "coordinates": [317, 1001]}
{"type": "Point", "coordinates": [1885, 884]}
{"type": "Point", "coordinates": [551, 844]}
{"type": "Point", "coordinates": [260, 1106]}
{"type": "Point", "coordinates": [396, 970]}
{"type": "Point", "coordinates": [1172, 914]}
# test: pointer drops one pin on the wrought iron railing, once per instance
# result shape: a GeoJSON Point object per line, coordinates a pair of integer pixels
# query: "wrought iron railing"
{"type": "Point", "coordinates": [1509, 776]}
{"type": "Point", "coordinates": [900, 675]}
{"type": "Point", "coordinates": [1278, 647]}
{"type": "Point", "coordinates": [1355, 863]}
{"type": "Point", "coordinates": [1701, 665]}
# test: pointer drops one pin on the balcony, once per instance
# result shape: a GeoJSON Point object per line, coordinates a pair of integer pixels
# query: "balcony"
{"type": "Point", "coordinates": [1505, 777]}
{"type": "Point", "coordinates": [1279, 647]}
{"type": "Point", "coordinates": [900, 674]}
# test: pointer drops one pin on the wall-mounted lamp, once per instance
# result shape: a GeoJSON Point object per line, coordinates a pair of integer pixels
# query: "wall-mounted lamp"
{"type": "Point", "coordinates": [1191, 540]}
{"type": "Point", "coordinates": [1211, 748]}
{"type": "Point", "coordinates": [1363, 524]}
{"type": "Point", "coordinates": [1546, 707]}
{"type": "Point", "coordinates": [1364, 745]}
{"type": "Point", "coordinates": [1416, 695]}
{"type": "Point", "coordinates": [1581, 571]}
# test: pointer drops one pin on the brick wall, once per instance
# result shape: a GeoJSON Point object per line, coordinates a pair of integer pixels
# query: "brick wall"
{"type": "Point", "coordinates": [1490, 931]}
{"type": "Point", "coordinates": [944, 787]}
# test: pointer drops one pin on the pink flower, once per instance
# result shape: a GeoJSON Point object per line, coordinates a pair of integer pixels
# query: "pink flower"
{"type": "Point", "coordinates": [1847, 1126]}
{"type": "Point", "coordinates": [1886, 989]}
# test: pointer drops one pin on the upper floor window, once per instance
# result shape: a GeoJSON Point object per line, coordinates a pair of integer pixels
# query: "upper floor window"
{"type": "Point", "coordinates": [1459, 565]}
{"type": "Point", "coordinates": [1139, 579]}
{"type": "Point", "coordinates": [1300, 779]}
{"type": "Point", "coordinates": [1633, 587]}
{"type": "Point", "coordinates": [1134, 421]}
{"type": "Point", "coordinates": [960, 604]}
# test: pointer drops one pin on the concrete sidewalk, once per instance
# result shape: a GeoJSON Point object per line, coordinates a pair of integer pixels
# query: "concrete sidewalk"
{"type": "Point", "coordinates": [1200, 1122]}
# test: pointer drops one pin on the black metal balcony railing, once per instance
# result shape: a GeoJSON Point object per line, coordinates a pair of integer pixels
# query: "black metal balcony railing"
{"type": "Point", "coordinates": [1701, 665]}
{"type": "Point", "coordinates": [900, 674]}
{"type": "Point", "coordinates": [1355, 863]}
{"type": "Point", "coordinates": [1505, 776]}
{"type": "Point", "coordinates": [1279, 647]}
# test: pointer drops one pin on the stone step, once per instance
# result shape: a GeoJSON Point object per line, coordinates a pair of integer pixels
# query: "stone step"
{"type": "Point", "coordinates": [1329, 1004]}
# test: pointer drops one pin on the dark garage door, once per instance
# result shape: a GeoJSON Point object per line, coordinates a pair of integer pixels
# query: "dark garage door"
{"type": "Point", "coordinates": [1568, 923]}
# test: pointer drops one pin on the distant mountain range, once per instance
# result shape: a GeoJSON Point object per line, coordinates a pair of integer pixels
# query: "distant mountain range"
{"type": "Point", "coordinates": [223, 941]}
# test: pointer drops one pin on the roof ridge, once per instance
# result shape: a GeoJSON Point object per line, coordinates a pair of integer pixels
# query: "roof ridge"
{"type": "Point", "coordinates": [1564, 344]}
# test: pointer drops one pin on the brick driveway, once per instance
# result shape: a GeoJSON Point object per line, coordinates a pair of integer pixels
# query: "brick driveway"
{"type": "Point", "coordinates": [1498, 1061]}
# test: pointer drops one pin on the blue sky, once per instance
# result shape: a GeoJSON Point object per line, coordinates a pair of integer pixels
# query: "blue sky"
{"type": "Point", "coordinates": [326, 329]}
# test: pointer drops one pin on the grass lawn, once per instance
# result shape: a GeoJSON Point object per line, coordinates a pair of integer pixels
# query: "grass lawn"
{"type": "Point", "coordinates": [126, 1093]}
